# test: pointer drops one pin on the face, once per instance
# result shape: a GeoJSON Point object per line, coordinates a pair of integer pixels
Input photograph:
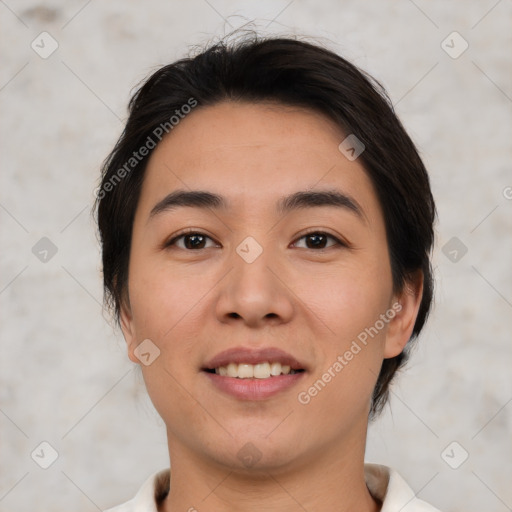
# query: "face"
{"type": "Point", "coordinates": [283, 260]}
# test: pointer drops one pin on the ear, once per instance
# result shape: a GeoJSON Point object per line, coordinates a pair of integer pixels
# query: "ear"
{"type": "Point", "coordinates": [128, 328]}
{"type": "Point", "coordinates": [406, 305]}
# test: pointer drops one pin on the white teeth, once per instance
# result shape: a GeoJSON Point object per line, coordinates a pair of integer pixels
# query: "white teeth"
{"type": "Point", "coordinates": [262, 371]}
{"type": "Point", "coordinates": [245, 371]}
{"type": "Point", "coordinates": [256, 371]}
{"type": "Point", "coordinates": [275, 369]}
{"type": "Point", "coordinates": [232, 370]}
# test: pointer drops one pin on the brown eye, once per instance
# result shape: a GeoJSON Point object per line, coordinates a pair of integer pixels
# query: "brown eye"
{"type": "Point", "coordinates": [319, 240]}
{"type": "Point", "coordinates": [190, 241]}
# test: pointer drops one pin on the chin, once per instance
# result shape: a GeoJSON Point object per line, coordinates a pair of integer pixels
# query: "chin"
{"type": "Point", "coordinates": [259, 450]}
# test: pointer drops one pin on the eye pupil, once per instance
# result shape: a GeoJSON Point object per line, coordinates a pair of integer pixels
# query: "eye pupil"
{"type": "Point", "coordinates": [316, 238]}
{"type": "Point", "coordinates": [198, 240]}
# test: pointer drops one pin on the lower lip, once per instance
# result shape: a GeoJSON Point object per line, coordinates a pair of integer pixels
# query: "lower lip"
{"type": "Point", "coordinates": [254, 389]}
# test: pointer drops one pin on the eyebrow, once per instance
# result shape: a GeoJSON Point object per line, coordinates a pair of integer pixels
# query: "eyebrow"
{"type": "Point", "coordinates": [296, 201]}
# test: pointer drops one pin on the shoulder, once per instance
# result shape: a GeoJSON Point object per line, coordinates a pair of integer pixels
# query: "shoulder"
{"type": "Point", "coordinates": [386, 485]}
{"type": "Point", "coordinates": [151, 492]}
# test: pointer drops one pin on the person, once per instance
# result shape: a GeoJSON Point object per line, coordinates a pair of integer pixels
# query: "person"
{"type": "Point", "coordinates": [266, 227]}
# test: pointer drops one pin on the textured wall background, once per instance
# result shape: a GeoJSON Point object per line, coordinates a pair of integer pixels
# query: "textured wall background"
{"type": "Point", "coordinates": [64, 376]}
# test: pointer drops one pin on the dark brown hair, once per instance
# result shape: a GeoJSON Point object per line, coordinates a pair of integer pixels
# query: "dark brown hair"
{"type": "Point", "coordinates": [290, 72]}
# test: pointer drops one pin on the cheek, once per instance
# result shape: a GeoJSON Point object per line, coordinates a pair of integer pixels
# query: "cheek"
{"type": "Point", "coordinates": [168, 309]}
{"type": "Point", "coordinates": [162, 299]}
{"type": "Point", "coordinates": [349, 298]}
{"type": "Point", "coordinates": [349, 304]}
{"type": "Point", "coordinates": [351, 354]}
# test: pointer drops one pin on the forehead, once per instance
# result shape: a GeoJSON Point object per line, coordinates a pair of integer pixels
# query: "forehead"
{"type": "Point", "coordinates": [253, 154]}
{"type": "Point", "coordinates": [233, 128]}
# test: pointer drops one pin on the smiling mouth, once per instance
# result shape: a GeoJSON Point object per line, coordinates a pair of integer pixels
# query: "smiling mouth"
{"type": "Point", "coordinates": [264, 370]}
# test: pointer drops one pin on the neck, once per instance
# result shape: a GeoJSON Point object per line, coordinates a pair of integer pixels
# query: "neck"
{"type": "Point", "coordinates": [332, 480]}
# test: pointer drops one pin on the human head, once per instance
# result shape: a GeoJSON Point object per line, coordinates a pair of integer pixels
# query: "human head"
{"type": "Point", "coordinates": [291, 73]}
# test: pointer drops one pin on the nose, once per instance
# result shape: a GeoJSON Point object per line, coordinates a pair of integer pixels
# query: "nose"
{"type": "Point", "coordinates": [255, 293]}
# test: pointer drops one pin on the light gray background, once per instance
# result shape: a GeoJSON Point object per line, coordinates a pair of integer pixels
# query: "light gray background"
{"type": "Point", "coordinates": [64, 374]}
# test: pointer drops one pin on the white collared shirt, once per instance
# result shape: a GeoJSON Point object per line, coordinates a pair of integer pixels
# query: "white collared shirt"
{"type": "Point", "coordinates": [384, 484]}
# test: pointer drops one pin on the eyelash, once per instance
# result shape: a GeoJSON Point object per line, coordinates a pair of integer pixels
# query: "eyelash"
{"type": "Point", "coordinates": [189, 232]}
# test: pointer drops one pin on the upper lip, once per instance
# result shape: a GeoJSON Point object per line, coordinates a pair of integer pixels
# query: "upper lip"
{"type": "Point", "coordinates": [241, 355]}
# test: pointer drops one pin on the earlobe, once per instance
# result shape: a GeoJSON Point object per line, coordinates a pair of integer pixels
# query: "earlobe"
{"type": "Point", "coordinates": [406, 304]}
{"type": "Point", "coordinates": [126, 321]}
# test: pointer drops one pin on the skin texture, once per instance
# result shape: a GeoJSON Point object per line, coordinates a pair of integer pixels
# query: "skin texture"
{"type": "Point", "coordinates": [312, 303]}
